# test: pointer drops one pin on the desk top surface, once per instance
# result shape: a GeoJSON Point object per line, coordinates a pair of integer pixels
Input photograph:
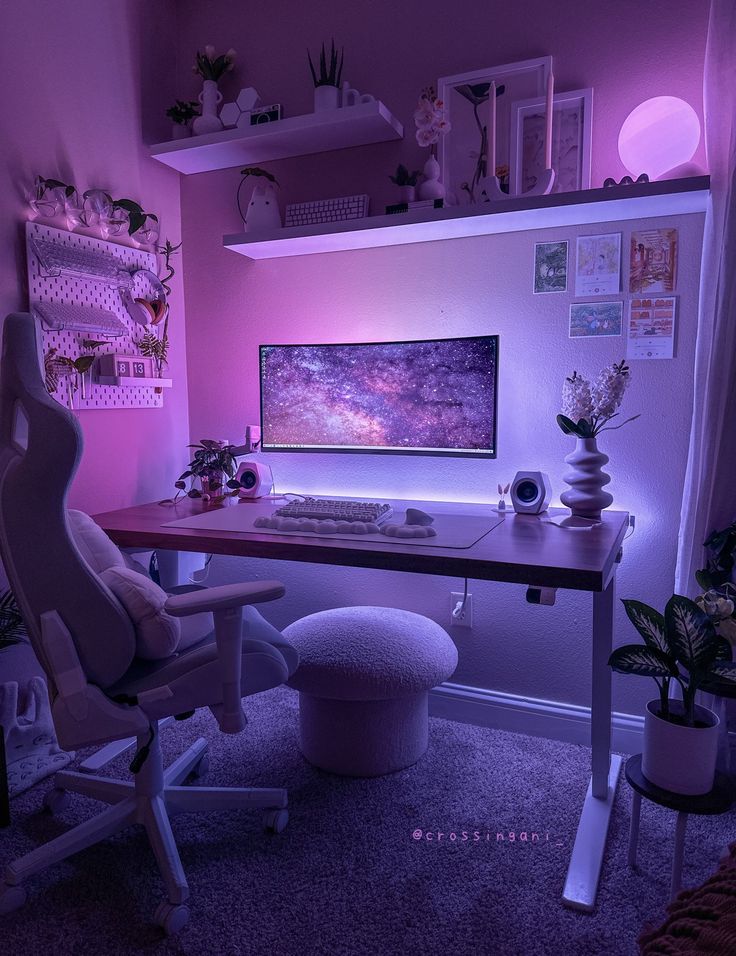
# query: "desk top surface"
{"type": "Point", "coordinates": [522, 549]}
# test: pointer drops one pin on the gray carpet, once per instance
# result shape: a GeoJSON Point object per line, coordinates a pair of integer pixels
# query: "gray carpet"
{"type": "Point", "coordinates": [347, 876]}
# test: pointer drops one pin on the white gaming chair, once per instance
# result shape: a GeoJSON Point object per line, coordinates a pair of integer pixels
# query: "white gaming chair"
{"type": "Point", "coordinates": [117, 658]}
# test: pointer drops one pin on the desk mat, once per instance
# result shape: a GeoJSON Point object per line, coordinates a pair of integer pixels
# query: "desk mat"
{"type": "Point", "coordinates": [453, 530]}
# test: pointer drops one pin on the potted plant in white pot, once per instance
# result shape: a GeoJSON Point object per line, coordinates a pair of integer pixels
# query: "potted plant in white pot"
{"type": "Point", "coordinates": [681, 645]}
{"type": "Point", "coordinates": [407, 183]}
{"type": "Point", "coordinates": [327, 81]}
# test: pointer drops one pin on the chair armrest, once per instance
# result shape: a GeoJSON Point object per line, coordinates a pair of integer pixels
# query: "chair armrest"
{"type": "Point", "coordinates": [223, 598]}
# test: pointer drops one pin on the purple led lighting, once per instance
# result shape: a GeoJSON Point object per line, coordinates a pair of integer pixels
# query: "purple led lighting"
{"type": "Point", "coordinates": [427, 397]}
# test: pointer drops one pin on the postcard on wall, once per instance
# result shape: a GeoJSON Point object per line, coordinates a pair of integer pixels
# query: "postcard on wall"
{"type": "Point", "coordinates": [653, 261]}
{"type": "Point", "coordinates": [588, 319]}
{"type": "Point", "coordinates": [651, 332]}
{"type": "Point", "coordinates": [550, 266]}
{"type": "Point", "coordinates": [598, 265]}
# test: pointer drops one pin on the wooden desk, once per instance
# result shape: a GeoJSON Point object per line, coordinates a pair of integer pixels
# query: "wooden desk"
{"type": "Point", "coordinates": [521, 550]}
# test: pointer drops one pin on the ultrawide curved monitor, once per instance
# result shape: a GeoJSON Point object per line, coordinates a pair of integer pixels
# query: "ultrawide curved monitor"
{"type": "Point", "coordinates": [430, 397]}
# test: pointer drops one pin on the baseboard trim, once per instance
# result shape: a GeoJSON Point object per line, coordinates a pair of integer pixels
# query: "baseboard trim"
{"type": "Point", "coordinates": [529, 715]}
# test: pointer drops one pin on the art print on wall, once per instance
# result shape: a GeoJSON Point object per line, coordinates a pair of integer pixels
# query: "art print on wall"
{"type": "Point", "coordinates": [550, 266]}
{"type": "Point", "coordinates": [467, 109]}
{"type": "Point", "coordinates": [593, 319]}
{"type": "Point", "coordinates": [653, 261]}
{"type": "Point", "coordinates": [651, 333]}
{"type": "Point", "coordinates": [598, 265]}
{"type": "Point", "coordinates": [571, 142]}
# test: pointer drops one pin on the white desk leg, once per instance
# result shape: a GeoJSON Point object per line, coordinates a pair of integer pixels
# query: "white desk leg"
{"type": "Point", "coordinates": [586, 860]}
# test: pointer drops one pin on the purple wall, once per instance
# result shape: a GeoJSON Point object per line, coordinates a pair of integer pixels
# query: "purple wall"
{"type": "Point", "coordinates": [84, 86]}
{"type": "Point", "coordinates": [627, 52]}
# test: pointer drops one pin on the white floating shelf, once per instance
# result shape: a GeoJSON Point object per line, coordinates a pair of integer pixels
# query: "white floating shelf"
{"type": "Point", "coordinates": [672, 197]}
{"type": "Point", "coordinates": [358, 125]}
{"type": "Point", "coordinates": [131, 381]}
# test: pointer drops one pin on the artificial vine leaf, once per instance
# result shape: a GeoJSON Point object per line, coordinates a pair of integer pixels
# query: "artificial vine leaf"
{"type": "Point", "coordinates": [649, 623]}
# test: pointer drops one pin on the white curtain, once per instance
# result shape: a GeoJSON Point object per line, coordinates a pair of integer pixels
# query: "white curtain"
{"type": "Point", "coordinates": [709, 499]}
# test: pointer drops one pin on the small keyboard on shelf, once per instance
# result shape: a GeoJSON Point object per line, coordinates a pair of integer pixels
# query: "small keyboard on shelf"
{"type": "Point", "coordinates": [326, 210]}
{"type": "Point", "coordinates": [325, 509]}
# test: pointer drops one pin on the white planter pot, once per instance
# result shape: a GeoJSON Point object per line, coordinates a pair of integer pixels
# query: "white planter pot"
{"type": "Point", "coordinates": [407, 193]}
{"type": "Point", "coordinates": [180, 131]}
{"type": "Point", "coordinates": [326, 98]}
{"type": "Point", "coordinates": [678, 758]}
{"type": "Point", "coordinates": [586, 498]}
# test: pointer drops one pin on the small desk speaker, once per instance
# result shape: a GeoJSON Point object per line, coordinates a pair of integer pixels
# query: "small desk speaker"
{"type": "Point", "coordinates": [531, 492]}
{"type": "Point", "coordinates": [256, 479]}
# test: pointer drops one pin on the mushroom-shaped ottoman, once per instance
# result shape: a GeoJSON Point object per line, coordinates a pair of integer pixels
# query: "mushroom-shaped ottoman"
{"type": "Point", "coordinates": [363, 680]}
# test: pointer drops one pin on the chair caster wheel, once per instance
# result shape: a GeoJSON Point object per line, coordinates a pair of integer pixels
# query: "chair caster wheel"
{"type": "Point", "coordinates": [56, 800]}
{"type": "Point", "coordinates": [275, 820]}
{"type": "Point", "coordinates": [11, 898]}
{"type": "Point", "coordinates": [202, 768]}
{"type": "Point", "coordinates": [171, 917]}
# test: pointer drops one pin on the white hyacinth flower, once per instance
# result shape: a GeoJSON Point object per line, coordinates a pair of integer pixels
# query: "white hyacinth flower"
{"type": "Point", "coordinates": [608, 390]}
{"type": "Point", "coordinates": [576, 398]}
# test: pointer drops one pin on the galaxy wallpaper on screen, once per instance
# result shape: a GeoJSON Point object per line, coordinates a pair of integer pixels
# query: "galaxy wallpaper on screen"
{"type": "Point", "coordinates": [414, 395]}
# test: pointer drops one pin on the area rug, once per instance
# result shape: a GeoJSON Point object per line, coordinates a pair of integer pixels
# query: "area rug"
{"type": "Point", "coordinates": [464, 853]}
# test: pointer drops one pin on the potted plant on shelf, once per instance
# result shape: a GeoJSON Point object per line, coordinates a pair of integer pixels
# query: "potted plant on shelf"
{"type": "Point", "coordinates": [210, 68]}
{"type": "Point", "coordinates": [213, 464]}
{"type": "Point", "coordinates": [587, 410]}
{"type": "Point", "coordinates": [681, 645]}
{"type": "Point", "coordinates": [181, 115]}
{"type": "Point", "coordinates": [406, 182]}
{"type": "Point", "coordinates": [327, 83]}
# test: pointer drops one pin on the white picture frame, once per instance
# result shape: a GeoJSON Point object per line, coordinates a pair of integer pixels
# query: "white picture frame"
{"type": "Point", "coordinates": [572, 124]}
{"type": "Point", "coordinates": [526, 79]}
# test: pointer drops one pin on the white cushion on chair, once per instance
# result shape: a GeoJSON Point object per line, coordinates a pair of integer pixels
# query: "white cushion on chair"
{"type": "Point", "coordinates": [93, 544]}
{"type": "Point", "coordinates": [157, 634]}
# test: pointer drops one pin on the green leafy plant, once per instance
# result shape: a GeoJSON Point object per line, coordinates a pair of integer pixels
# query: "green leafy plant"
{"type": "Point", "coordinates": [136, 215]}
{"type": "Point", "coordinates": [681, 645]}
{"type": "Point", "coordinates": [211, 67]}
{"type": "Point", "coordinates": [212, 461]}
{"type": "Point", "coordinates": [247, 171]}
{"type": "Point", "coordinates": [183, 111]}
{"type": "Point", "coordinates": [403, 177]}
{"type": "Point", "coordinates": [722, 554]}
{"type": "Point", "coordinates": [331, 76]}
{"type": "Point", "coordinates": [12, 628]}
{"type": "Point", "coordinates": [42, 186]}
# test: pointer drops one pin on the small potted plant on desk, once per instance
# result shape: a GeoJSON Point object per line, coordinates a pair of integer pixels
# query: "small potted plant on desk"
{"type": "Point", "coordinates": [681, 645]}
{"type": "Point", "coordinates": [213, 464]}
{"type": "Point", "coordinates": [181, 115]}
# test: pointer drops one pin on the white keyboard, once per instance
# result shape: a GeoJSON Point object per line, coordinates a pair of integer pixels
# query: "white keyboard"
{"type": "Point", "coordinates": [326, 210]}
{"type": "Point", "coordinates": [58, 259]}
{"type": "Point", "coordinates": [78, 318]}
{"type": "Point", "coordinates": [324, 509]}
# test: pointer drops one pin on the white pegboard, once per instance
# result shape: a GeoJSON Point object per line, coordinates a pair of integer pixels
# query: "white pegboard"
{"type": "Point", "coordinates": [91, 292]}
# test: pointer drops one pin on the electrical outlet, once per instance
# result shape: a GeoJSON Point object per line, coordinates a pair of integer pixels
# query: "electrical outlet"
{"type": "Point", "coordinates": [465, 619]}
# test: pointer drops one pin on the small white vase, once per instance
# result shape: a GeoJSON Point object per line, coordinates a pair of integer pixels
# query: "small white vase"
{"type": "Point", "coordinates": [209, 121]}
{"type": "Point", "coordinates": [431, 187]}
{"type": "Point", "coordinates": [586, 498]}
{"type": "Point", "coordinates": [679, 758]}
{"type": "Point", "coordinates": [326, 98]}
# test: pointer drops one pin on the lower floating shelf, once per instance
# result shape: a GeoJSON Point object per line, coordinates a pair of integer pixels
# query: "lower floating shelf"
{"type": "Point", "coordinates": [672, 197]}
{"type": "Point", "coordinates": [129, 380]}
